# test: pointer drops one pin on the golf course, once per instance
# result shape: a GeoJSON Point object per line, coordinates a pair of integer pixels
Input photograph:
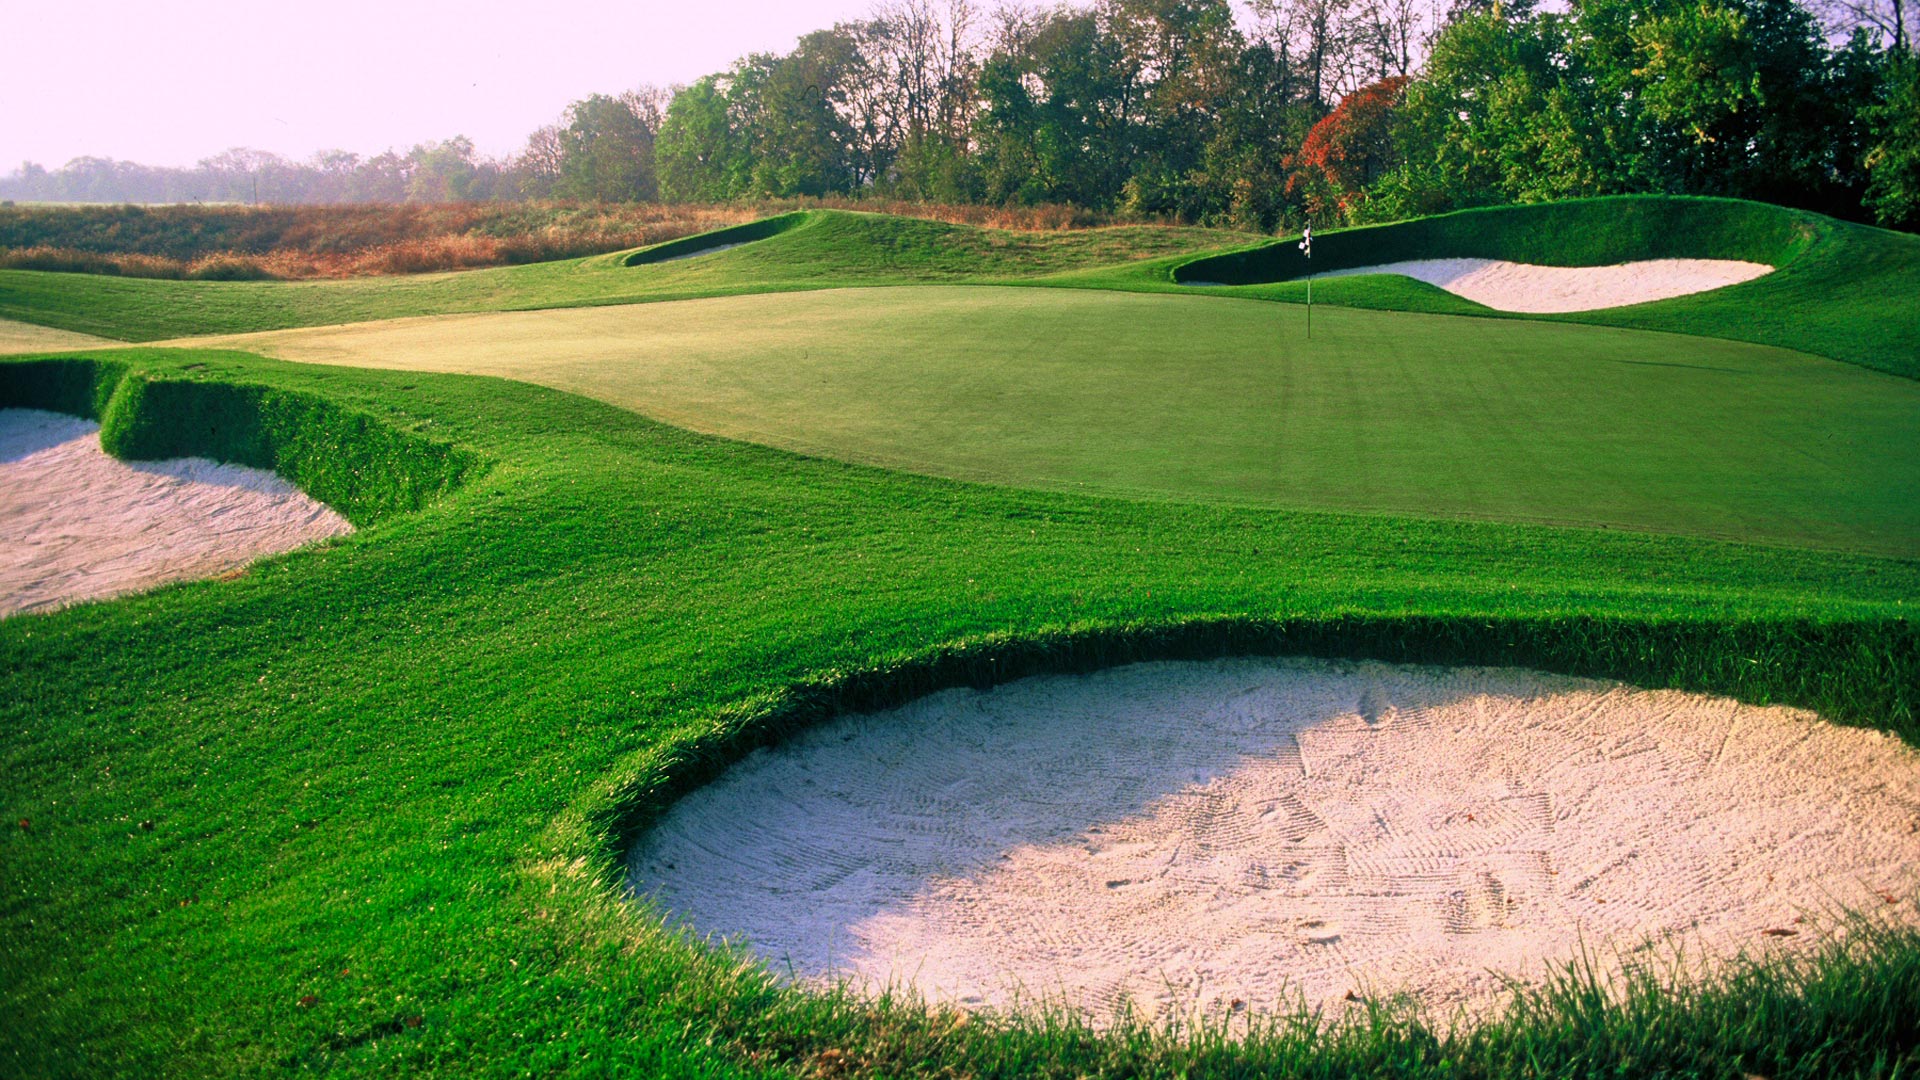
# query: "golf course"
{"type": "Point", "coordinates": [613, 530]}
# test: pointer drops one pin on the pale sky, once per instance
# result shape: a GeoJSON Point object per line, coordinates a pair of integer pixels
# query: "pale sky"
{"type": "Point", "coordinates": [168, 82]}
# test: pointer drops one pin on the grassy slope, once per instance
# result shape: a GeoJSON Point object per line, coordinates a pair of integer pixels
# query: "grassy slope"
{"type": "Point", "coordinates": [1844, 291]}
{"type": "Point", "coordinates": [365, 789]}
{"type": "Point", "coordinates": [833, 248]}
{"type": "Point", "coordinates": [1849, 292]}
{"type": "Point", "coordinates": [1215, 399]}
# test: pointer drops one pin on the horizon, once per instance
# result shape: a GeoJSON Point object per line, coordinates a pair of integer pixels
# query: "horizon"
{"type": "Point", "coordinates": [493, 76]}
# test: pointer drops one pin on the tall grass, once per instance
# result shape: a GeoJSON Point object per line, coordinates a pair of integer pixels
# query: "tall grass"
{"type": "Point", "coordinates": [243, 243]}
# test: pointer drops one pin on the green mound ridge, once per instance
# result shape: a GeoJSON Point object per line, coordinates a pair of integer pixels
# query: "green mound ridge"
{"type": "Point", "coordinates": [1577, 232]}
{"type": "Point", "coordinates": [1840, 290]}
{"type": "Point", "coordinates": [829, 249]}
{"type": "Point", "coordinates": [364, 468]}
{"type": "Point", "coordinates": [733, 234]}
{"type": "Point", "coordinates": [361, 810]}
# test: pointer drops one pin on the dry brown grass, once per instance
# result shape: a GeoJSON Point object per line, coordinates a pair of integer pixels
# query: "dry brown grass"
{"type": "Point", "coordinates": [295, 243]}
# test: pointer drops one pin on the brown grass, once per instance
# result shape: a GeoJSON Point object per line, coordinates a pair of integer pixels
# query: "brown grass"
{"type": "Point", "coordinates": [295, 243]}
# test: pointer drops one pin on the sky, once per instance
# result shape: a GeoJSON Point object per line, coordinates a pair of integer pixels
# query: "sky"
{"type": "Point", "coordinates": [169, 82]}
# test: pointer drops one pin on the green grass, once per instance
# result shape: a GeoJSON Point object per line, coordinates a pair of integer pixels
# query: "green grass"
{"type": "Point", "coordinates": [392, 773]}
{"type": "Point", "coordinates": [1224, 400]}
{"type": "Point", "coordinates": [828, 249]}
{"type": "Point", "coordinates": [361, 810]}
{"type": "Point", "coordinates": [1845, 291]}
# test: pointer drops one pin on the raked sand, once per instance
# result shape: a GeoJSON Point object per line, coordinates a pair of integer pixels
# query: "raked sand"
{"type": "Point", "coordinates": [1245, 834]}
{"type": "Point", "coordinates": [1524, 287]}
{"type": "Point", "coordinates": [78, 525]}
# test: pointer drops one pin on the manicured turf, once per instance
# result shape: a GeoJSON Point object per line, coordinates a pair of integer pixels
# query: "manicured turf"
{"type": "Point", "coordinates": [1845, 291]}
{"type": "Point", "coordinates": [380, 775]}
{"type": "Point", "coordinates": [832, 248]}
{"type": "Point", "coordinates": [1205, 398]}
{"type": "Point", "coordinates": [361, 809]}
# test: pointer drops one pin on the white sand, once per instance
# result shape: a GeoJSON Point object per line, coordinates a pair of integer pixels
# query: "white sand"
{"type": "Point", "coordinates": [19, 337]}
{"type": "Point", "coordinates": [1524, 287]}
{"type": "Point", "coordinates": [1194, 835]}
{"type": "Point", "coordinates": [702, 251]}
{"type": "Point", "coordinates": [78, 525]}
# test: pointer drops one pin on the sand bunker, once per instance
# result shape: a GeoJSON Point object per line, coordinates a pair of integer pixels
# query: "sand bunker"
{"type": "Point", "coordinates": [77, 525]}
{"type": "Point", "coordinates": [702, 251]}
{"type": "Point", "coordinates": [1245, 833]}
{"type": "Point", "coordinates": [1523, 287]}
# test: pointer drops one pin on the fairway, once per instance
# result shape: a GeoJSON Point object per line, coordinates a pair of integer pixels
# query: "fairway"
{"type": "Point", "coordinates": [1218, 399]}
{"type": "Point", "coordinates": [20, 337]}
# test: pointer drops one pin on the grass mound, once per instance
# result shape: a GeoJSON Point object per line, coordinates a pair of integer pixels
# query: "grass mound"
{"type": "Point", "coordinates": [727, 237]}
{"type": "Point", "coordinates": [362, 467]}
{"type": "Point", "coordinates": [1577, 232]}
{"type": "Point", "coordinates": [1839, 290]}
{"type": "Point", "coordinates": [833, 248]}
{"type": "Point", "coordinates": [360, 810]}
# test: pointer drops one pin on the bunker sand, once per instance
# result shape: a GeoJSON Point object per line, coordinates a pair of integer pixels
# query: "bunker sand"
{"type": "Point", "coordinates": [78, 525]}
{"type": "Point", "coordinates": [1525, 287]}
{"type": "Point", "coordinates": [1188, 836]}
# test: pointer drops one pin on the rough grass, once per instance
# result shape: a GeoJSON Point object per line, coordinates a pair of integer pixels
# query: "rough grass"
{"type": "Point", "coordinates": [1839, 290]}
{"type": "Point", "coordinates": [832, 248]}
{"type": "Point", "coordinates": [1215, 399]}
{"type": "Point", "coordinates": [359, 810]}
{"type": "Point", "coordinates": [255, 243]}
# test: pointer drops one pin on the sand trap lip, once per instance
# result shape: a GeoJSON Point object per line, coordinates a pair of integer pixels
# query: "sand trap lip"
{"type": "Point", "coordinates": [1190, 835]}
{"type": "Point", "coordinates": [78, 525]}
{"type": "Point", "coordinates": [1539, 290]}
{"type": "Point", "coordinates": [702, 251]}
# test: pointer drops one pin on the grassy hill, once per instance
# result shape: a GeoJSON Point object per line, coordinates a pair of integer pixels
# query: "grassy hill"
{"type": "Point", "coordinates": [1839, 290]}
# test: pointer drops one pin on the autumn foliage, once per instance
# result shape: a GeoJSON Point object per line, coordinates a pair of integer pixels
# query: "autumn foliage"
{"type": "Point", "coordinates": [1349, 149]}
{"type": "Point", "coordinates": [240, 243]}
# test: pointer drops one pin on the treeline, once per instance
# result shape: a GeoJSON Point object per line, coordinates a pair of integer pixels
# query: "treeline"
{"type": "Point", "coordinates": [1330, 109]}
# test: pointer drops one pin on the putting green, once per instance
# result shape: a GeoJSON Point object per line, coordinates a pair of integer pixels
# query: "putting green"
{"type": "Point", "coordinates": [1217, 399]}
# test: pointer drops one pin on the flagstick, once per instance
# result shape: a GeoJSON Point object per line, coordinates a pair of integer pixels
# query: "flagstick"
{"type": "Point", "coordinates": [1306, 245]}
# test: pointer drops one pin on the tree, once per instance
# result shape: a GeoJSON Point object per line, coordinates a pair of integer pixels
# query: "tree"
{"type": "Point", "coordinates": [1893, 162]}
{"type": "Point", "coordinates": [606, 153]}
{"type": "Point", "coordinates": [701, 153]}
{"type": "Point", "coordinates": [1349, 150]}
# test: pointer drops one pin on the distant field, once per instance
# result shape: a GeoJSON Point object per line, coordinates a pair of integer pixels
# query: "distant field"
{"type": "Point", "coordinates": [1216, 399]}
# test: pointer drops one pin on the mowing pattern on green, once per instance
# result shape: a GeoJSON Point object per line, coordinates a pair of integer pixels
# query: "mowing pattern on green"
{"type": "Point", "coordinates": [360, 810]}
{"type": "Point", "coordinates": [1206, 398]}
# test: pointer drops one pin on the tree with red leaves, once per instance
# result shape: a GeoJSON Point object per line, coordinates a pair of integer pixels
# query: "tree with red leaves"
{"type": "Point", "coordinates": [1349, 149]}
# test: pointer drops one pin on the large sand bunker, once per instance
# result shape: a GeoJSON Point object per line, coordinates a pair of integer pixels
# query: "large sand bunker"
{"type": "Point", "coordinates": [1204, 837]}
{"type": "Point", "coordinates": [1524, 287]}
{"type": "Point", "coordinates": [78, 525]}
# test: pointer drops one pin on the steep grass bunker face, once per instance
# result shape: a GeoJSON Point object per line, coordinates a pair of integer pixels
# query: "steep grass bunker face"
{"type": "Point", "coordinates": [1212, 837]}
{"type": "Point", "coordinates": [78, 525]}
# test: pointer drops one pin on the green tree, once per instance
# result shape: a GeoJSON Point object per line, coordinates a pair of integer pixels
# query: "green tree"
{"type": "Point", "coordinates": [702, 154]}
{"type": "Point", "coordinates": [1893, 161]}
{"type": "Point", "coordinates": [606, 153]}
